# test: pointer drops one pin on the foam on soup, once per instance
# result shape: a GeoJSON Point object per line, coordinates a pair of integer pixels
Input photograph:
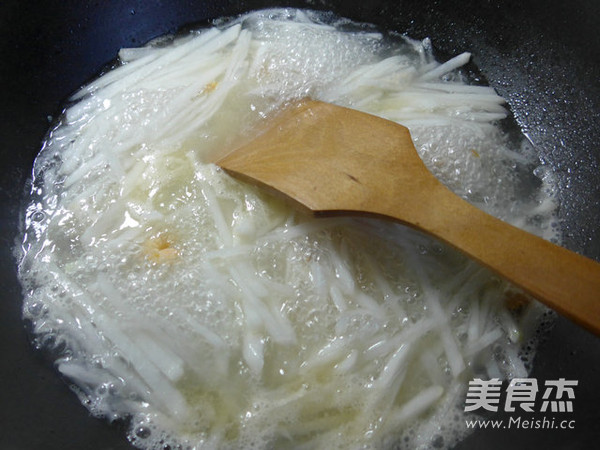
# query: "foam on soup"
{"type": "Point", "coordinates": [210, 315]}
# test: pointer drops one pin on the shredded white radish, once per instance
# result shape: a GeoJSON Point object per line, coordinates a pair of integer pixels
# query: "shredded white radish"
{"type": "Point", "coordinates": [211, 315]}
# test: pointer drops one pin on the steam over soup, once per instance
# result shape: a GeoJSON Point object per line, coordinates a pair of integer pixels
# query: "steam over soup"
{"type": "Point", "coordinates": [210, 315]}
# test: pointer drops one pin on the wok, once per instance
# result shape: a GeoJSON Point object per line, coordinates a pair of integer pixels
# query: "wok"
{"type": "Point", "coordinates": [541, 55]}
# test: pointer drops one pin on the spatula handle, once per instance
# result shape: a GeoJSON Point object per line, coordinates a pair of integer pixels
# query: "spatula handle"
{"type": "Point", "coordinates": [563, 280]}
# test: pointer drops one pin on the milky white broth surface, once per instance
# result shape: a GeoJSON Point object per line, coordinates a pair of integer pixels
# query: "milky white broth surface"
{"type": "Point", "coordinates": [210, 315]}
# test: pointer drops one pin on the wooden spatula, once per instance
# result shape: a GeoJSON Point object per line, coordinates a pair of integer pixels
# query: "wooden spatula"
{"type": "Point", "coordinates": [337, 161]}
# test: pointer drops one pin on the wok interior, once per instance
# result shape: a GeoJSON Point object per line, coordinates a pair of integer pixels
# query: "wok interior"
{"type": "Point", "coordinates": [537, 55]}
